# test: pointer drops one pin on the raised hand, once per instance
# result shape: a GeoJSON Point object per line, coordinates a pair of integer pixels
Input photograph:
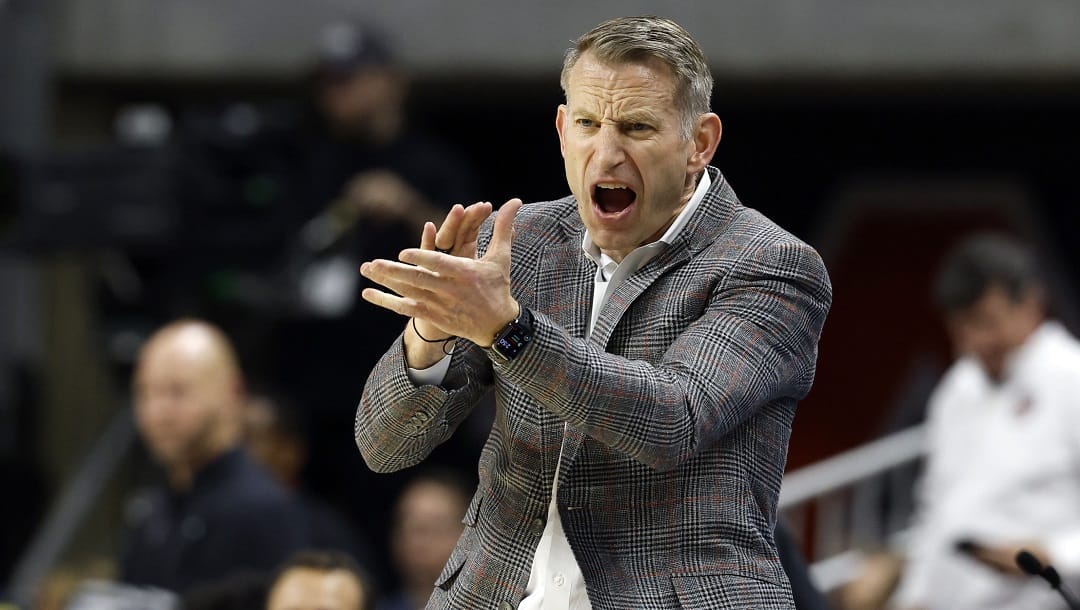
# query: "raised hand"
{"type": "Point", "coordinates": [451, 292]}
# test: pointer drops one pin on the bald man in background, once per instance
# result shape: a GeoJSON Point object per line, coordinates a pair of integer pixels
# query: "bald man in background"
{"type": "Point", "coordinates": [220, 513]}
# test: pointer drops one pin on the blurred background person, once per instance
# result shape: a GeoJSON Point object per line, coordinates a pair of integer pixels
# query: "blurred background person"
{"type": "Point", "coordinates": [1003, 457]}
{"type": "Point", "coordinates": [320, 580]}
{"type": "Point", "coordinates": [427, 524]}
{"type": "Point", "coordinates": [275, 437]}
{"type": "Point", "coordinates": [219, 512]}
{"type": "Point", "coordinates": [367, 160]}
{"type": "Point", "coordinates": [369, 179]}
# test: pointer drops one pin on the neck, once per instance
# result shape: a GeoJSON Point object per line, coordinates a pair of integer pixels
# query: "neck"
{"type": "Point", "coordinates": [182, 475]}
{"type": "Point", "coordinates": [375, 130]}
{"type": "Point", "coordinates": [181, 478]}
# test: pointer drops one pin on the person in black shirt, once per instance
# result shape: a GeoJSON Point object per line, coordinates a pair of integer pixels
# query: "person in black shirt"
{"type": "Point", "coordinates": [370, 179]}
{"type": "Point", "coordinates": [220, 512]}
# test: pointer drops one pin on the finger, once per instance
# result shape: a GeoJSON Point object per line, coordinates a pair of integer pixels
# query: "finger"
{"type": "Point", "coordinates": [410, 308]}
{"type": "Point", "coordinates": [410, 280]}
{"type": "Point", "coordinates": [433, 261]}
{"type": "Point", "coordinates": [389, 301]}
{"type": "Point", "coordinates": [427, 237]}
{"type": "Point", "coordinates": [503, 233]}
{"type": "Point", "coordinates": [992, 559]}
{"type": "Point", "coordinates": [475, 215]}
{"type": "Point", "coordinates": [448, 231]}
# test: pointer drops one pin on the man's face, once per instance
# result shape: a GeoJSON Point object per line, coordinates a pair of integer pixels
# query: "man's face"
{"type": "Point", "coordinates": [180, 402]}
{"type": "Point", "coordinates": [351, 103]}
{"type": "Point", "coordinates": [626, 159]}
{"type": "Point", "coordinates": [428, 526]}
{"type": "Point", "coordinates": [993, 327]}
{"type": "Point", "coordinates": [309, 589]}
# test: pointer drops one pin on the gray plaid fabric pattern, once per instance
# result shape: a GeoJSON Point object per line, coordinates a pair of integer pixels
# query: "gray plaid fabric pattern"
{"type": "Point", "coordinates": [679, 408]}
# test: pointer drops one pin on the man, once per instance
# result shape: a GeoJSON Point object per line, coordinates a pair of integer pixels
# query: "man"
{"type": "Point", "coordinates": [427, 525]}
{"type": "Point", "coordinates": [326, 580]}
{"type": "Point", "coordinates": [374, 172]}
{"type": "Point", "coordinates": [1003, 464]}
{"type": "Point", "coordinates": [221, 513]}
{"type": "Point", "coordinates": [646, 353]}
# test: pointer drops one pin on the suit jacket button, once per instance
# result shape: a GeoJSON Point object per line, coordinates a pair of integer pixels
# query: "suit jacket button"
{"type": "Point", "coordinates": [506, 606]}
{"type": "Point", "coordinates": [537, 526]}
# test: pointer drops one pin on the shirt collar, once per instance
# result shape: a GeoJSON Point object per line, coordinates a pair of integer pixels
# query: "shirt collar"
{"type": "Point", "coordinates": [608, 265]}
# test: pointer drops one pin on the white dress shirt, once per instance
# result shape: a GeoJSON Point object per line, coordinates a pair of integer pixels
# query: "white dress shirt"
{"type": "Point", "coordinates": [1003, 468]}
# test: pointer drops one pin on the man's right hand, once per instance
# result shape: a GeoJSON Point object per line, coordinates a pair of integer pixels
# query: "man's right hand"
{"type": "Point", "coordinates": [457, 236]}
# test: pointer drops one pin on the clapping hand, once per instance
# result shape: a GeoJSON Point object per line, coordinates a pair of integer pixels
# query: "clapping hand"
{"type": "Point", "coordinates": [445, 287]}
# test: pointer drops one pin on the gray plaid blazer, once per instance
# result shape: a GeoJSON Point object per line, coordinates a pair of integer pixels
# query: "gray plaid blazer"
{"type": "Point", "coordinates": [679, 408]}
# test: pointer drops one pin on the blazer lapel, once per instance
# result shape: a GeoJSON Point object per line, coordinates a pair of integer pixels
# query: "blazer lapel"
{"type": "Point", "coordinates": [632, 287]}
{"type": "Point", "coordinates": [565, 294]}
{"type": "Point", "coordinates": [564, 290]}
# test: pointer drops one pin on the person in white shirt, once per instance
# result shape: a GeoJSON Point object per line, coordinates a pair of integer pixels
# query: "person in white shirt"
{"type": "Point", "coordinates": [1003, 466]}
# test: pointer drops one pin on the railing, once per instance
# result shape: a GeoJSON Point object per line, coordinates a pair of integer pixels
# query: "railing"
{"type": "Point", "coordinates": [69, 511]}
{"type": "Point", "coordinates": [856, 500]}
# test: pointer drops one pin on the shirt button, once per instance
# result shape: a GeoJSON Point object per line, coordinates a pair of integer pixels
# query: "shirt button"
{"type": "Point", "coordinates": [537, 526]}
{"type": "Point", "coordinates": [506, 606]}
{"type": "Point", "coordinates": [559, 580]}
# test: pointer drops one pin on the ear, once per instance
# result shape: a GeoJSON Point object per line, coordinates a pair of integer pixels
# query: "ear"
{"type": "Point", "coordinates": [706, 138]}
{"type": "Point", "coordinates": [560, 126]}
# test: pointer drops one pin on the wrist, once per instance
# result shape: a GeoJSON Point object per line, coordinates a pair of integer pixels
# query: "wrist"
{"type": "Point", "coordinates": [421, 353]}
{"type": "Point", "coordinates": [513, 337]}
{"type": "Point", "coordinates": [425, 339]}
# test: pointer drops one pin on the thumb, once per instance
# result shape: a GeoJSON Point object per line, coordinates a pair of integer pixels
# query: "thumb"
{"type": "Point", "coordinates": [502, 235]}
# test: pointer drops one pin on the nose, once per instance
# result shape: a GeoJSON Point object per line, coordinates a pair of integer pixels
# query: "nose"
{"type": "Point", "coordinates": [609, 152]}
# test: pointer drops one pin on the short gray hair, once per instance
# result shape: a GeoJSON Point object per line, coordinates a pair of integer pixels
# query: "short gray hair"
{"type": "Point", "coordinates": [640, 39]}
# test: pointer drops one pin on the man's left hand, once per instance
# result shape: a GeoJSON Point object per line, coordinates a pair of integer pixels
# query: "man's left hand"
{"type": "Point", "coordinates": [466, 296]}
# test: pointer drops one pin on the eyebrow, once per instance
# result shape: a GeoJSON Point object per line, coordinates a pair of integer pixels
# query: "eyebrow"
{"type": "Point", "coordinates": [629, 118]}
{"type": "Point", "coordinates": [638, 116]}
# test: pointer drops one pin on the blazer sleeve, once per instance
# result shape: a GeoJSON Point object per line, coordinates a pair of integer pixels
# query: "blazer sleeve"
{"type": "Point", "coordinates": [756, 342]}
{"type": "Point", "coordinates": [399, 423]}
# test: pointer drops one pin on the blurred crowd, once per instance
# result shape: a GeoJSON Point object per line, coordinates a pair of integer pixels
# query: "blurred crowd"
{"type": "Point", "coordinates": [263, 500]}
{"type": "Point", "coordinates": [231, 512]}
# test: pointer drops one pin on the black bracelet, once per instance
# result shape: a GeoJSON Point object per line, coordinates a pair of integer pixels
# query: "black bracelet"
{"type": "Point", "coordinates": [425, 339]}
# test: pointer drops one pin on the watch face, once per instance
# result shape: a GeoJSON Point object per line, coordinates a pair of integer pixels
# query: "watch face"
{"type": "Point", "coordinates": [510, 342]}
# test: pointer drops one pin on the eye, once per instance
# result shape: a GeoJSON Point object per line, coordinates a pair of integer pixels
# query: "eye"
{"type": "Point", "coordinates": [586, 123]}
{"type": "Point", "coordinates": [639, 127]}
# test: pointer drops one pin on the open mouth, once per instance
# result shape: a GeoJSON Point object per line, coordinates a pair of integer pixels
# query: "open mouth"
{"type": "Point", "coordinates": [613, 198]}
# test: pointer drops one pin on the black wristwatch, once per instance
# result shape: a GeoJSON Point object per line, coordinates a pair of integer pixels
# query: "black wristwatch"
{"type": "Point", "coordinates": [513, 337]}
